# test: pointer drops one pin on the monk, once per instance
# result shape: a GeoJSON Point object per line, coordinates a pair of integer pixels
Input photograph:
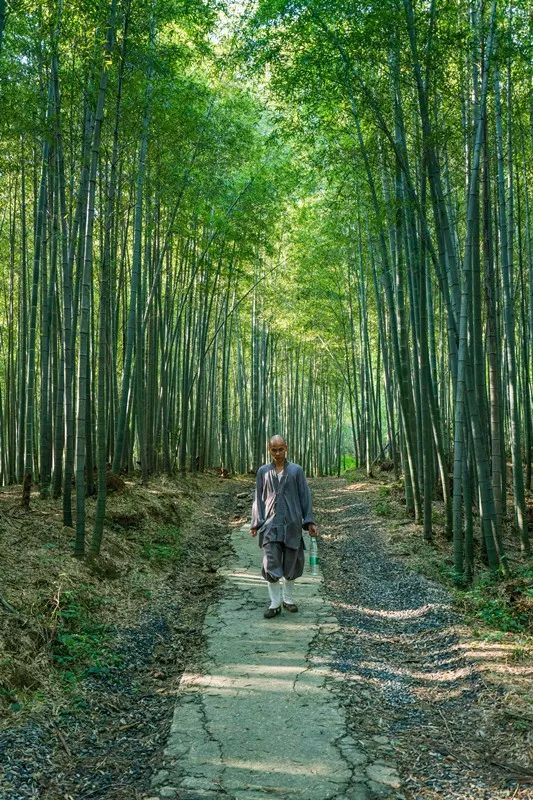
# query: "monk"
{"type": "Point", "coordinates": [282, 507]}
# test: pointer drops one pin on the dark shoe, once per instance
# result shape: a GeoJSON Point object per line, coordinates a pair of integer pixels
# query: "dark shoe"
{"type": "Point", "coordinates": [290, 607]}
{"type": "Point", "coordinates": [272, 612]}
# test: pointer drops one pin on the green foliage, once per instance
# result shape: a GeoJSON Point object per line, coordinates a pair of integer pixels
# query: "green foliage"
{"type": "Point", "coordinates": [497, 614]}
{"type": "Point", "coordinates": [166, 548]}
{"type": "Point", "coordinates": [348, 463]}
{"type": "Point", "coordinates": [350, 474]}
{"type": "Point", "coordinates": [384, 509]}
{"type": "Point", "coordinates": [7, 695]}
{"type": "Point", "coordinates": [81, 645]}
{"type": "Point", "coordinates": [520, 654]}
{"type": "Point", "coordinates": [505, 606]}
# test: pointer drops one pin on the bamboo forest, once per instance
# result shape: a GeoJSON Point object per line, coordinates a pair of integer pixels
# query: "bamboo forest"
{"type": "Point", "coordinates": [223, 221]}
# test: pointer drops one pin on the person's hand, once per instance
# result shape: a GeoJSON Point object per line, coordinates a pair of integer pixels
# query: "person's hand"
{"type": "Point", "coordinates": [253, 531]}
{"type": "Point", "coordinates": [312, 531]}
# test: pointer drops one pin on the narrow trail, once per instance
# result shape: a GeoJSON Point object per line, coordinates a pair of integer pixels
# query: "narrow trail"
{"type": "Point", "coordinates": [259, 719]}
{"type": "Point", "coordinates": [365, 694]}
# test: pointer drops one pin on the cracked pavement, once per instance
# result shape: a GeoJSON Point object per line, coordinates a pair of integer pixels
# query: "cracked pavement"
{"type": "Point", "coordinates": [264, 719]}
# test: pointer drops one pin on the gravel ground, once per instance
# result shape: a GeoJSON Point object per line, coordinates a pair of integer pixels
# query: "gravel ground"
{"type": "Point", "coordinates": [407, 682]}
{"type": "Point", "coordinates": [107, 744]}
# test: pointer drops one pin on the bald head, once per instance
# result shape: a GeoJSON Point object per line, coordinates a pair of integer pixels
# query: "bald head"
{"type": "Point", "coordinates": [278, 450]}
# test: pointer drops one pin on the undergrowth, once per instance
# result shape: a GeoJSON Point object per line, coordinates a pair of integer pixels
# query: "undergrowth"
{"type": "Point", "coordinates": [504, 605]}
{"type": "Point", "coordinates": [165, 548]}
{"type": "Point", "coordinates": [384, 509]}
{"type": "Point", "coordinates": [81, 642]}
{"type": "Point", "coordinates": [66, 611]}
{"type": "Point", "coordinates": [81, 645]}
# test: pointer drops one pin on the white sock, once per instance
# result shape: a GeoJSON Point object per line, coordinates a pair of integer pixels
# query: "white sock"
{"type": "Point", "coordinates": [288, 587]}
{"type": "Point", "coordinates": [274, 590]}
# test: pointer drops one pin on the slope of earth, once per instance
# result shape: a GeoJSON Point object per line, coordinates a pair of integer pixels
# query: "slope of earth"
{"type": "Point", "coordinates": [92, 652]}
{"type": "Point", "coordinates": [412, 685]}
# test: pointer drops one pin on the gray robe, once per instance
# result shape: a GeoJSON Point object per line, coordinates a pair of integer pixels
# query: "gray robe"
{"type": "Point", "coordinates": [281, 507]}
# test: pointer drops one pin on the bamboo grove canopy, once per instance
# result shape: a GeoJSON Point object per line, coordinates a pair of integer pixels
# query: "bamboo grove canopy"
{"type": "Point", "coordinates": [220, 221]}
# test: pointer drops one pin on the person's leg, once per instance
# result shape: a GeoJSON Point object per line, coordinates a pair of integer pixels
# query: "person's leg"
{"type": "Point", "coordinates": [288, 591]}
{"type": "Point", "coordinates": [272, 571]}
{"type": "Point", "coordinates": [274, 592]}
{"type": "Point", "coordinates": [293, 567]}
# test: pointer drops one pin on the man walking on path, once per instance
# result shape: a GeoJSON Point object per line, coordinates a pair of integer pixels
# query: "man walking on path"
{"type": "Point", "coordinates": [282, 507]}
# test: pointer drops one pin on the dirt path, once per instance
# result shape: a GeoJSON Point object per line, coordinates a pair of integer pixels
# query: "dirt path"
{"type": "Point", "coordinates": [408, 687]}
{"type": "Point", "coordinates": [259, 719]}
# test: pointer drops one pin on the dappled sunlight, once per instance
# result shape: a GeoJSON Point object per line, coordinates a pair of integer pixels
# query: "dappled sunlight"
{"type": "Point", "coordinates": [294, 234]}
{"type": "Point", "coordinates": [279, 658]}
{"type": "Point", "coordinates": [332, 511]}
{"type": "Point", "coordinates": [353, 677]}
{"type": "Point", "coordinates": [265, 669]}
{"type": "Point", "coordinates": [326, 497]}
{"type": "Point", "coordinates": [362, 486]}
{"type": "Point", "coordinates": [238, 681]}
{"type": "Point", "coordinates": [430, 687]}
{"type": "Point", "coordinates": [484, 645]}
{"type": "Point", "coordinates": [524, 671]}
{"type": "Point", "coordinates": [287, 626]}
{"type": "Point", "coordinates": [253, 576]}
{"type": "Point", "coordinates": [477, 654]}
{"type": "Point", "coordinates": [435, 695]}
{"type": "Point", "coordinates": [438, 676]}
{"type": "Point", "coordinates": [401, 614]}
{"type": "Point", "coordinates": [288, 768]}
{"type": "Point", "coordinates": [407, 639]}
{"type": "Point", "coordinates": [251, 579]}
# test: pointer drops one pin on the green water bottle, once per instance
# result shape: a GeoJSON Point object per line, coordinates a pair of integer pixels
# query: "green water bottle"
{"type": "Point", "coordinates": [313, 556]}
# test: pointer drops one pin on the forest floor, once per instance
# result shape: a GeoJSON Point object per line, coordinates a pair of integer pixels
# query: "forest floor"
{"type": "Point", "coordinates": [451, 695]}
{"type": "Point", "coordinates": [91, 662]}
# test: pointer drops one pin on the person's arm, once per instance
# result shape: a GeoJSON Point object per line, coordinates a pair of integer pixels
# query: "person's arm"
{"type": "Point", "coordinates": [258, 508]}
{"type": "Point", "coordinates": [306, 504]}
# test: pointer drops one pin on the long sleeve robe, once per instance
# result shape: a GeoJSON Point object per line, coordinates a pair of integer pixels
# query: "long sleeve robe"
{"type": "Point", "coordinates": [281, 507]}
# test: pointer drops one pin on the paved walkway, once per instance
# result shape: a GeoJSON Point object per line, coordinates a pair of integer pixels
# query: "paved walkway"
{"type": "Point", "coordinates": [261, 722]}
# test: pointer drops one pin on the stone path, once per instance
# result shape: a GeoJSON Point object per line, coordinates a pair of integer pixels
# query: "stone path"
{"type": "Point", "coordinates": [264, 719]}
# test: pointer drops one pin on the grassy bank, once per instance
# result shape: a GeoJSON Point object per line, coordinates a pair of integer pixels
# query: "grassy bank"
{"type": "Point", "coordinates": [60, 614]}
